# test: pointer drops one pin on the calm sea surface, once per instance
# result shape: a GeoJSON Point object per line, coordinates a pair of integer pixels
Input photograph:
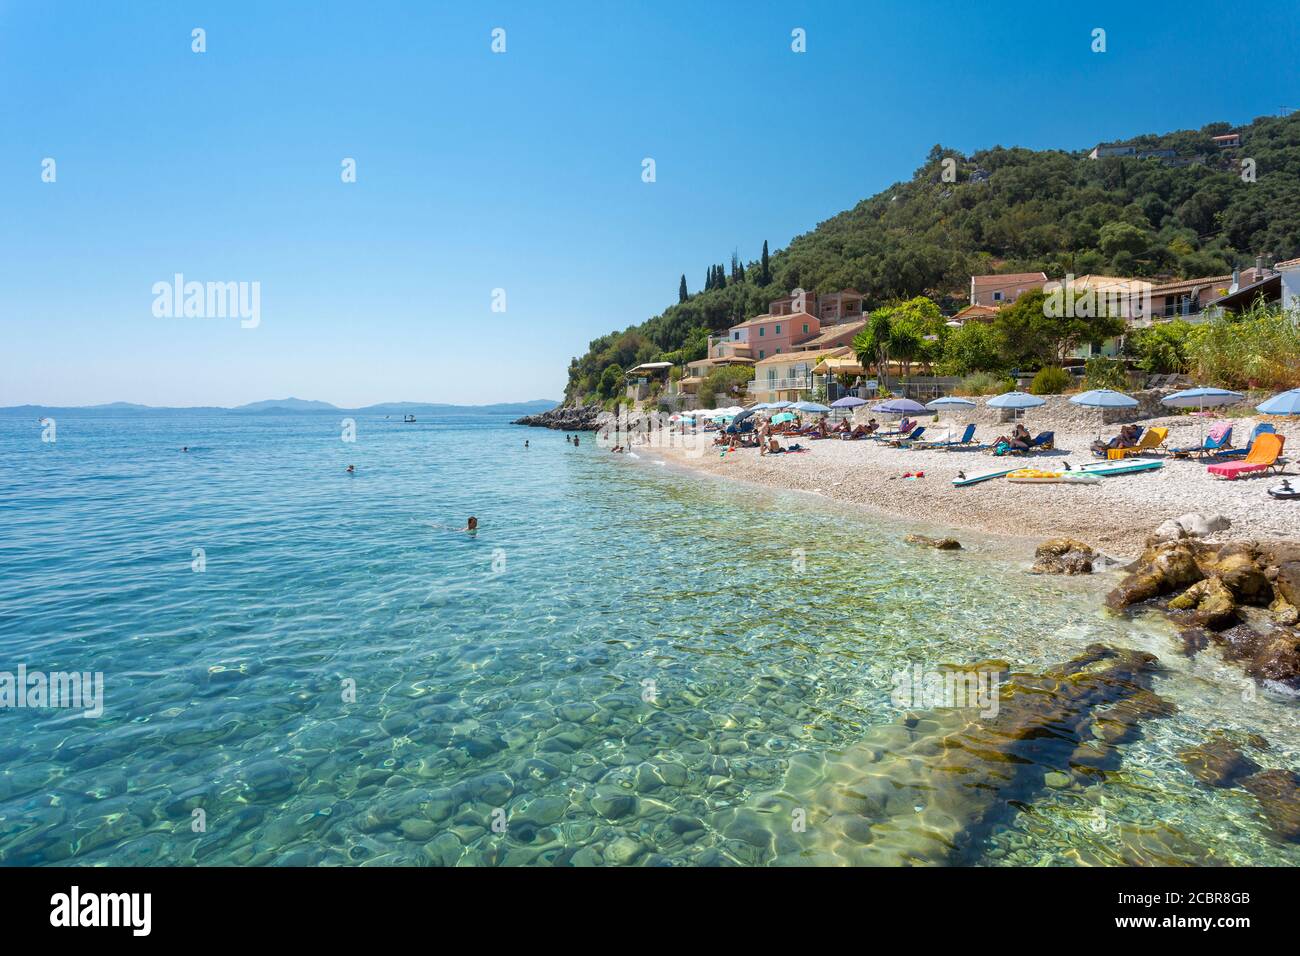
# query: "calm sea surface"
{"type": "Point", "coordinates": [625, 664]}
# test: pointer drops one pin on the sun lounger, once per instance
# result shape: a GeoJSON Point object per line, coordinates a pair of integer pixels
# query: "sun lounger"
{"type": "Point", "coordinates": [1110, 446]}
{"type": "Point", "coordinates": [967, 438]}
{"type": "Point", "coordinates": [1043, 441]}
{"type": "Point", "coordinates": [1211, 446]}
{"type": "Point", "coordinates": [904, 428]}
{"type": "Point", "coordinates": [1263, 457]}
{"type": "Point", "coordinates": [1263, 428]}
{"type": "Point", "coordinates": [1152, 439]}
{"type": "Point", "coordinates": [916, 433]}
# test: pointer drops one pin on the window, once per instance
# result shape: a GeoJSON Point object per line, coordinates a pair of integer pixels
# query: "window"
{"type": "Point", "coordinates": [762, 331]}
{"type": "Point", "coordinates": [778, 352]}
{"type": "Point", "coordinates": [778, 328]}
{"type": "Point", "coordinates": [805, 328]}
{"type": "Point", "coordinates": [762, 354]}
{"type": "Point", "coordinates": [735, 336]}
{"type": "Point", "coordinates": [997, 296]}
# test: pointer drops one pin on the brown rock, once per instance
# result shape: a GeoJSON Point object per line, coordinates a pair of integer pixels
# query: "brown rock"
{"type": "Point", "coordinates": [1277, 657]}
{"type": "Point", "coordinates": [1163, 569]}
{"type": "Point", "coordinates": [1236, 565]}
{"type": "Point", "coordinates": [1278, 793]}
{"type": "Point", "coordinates": [941, 544]}
{"type": "Point", "coordinates": [1211, 603]}
{"type": "Point", "coordinates": [1217, 762]}
{"type": "Point", "coordinates": [1063, 556]}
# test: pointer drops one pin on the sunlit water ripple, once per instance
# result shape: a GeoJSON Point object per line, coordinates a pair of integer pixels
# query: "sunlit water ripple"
{"type": "Point", "coordinates": [506, 675]}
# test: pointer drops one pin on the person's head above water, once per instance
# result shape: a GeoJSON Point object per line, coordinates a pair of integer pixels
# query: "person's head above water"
{"type": "Point", "coordinates": [471, 524]}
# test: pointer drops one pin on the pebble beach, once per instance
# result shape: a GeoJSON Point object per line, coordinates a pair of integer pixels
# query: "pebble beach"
{"type": "Point", "coordinates": [1115, 516]}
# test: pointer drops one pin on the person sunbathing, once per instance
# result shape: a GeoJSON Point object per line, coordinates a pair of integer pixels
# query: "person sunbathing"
{"type": "Point", "coordinates": [860, 431]}
{"type": "Point", "coordinates": [1128, 437]}
{"type": "Point", "coordinates": [1018, 440]}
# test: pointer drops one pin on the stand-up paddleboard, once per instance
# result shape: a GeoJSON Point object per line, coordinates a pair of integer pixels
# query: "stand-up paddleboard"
{"type": "Point", "coordinates": [1041, 477]}
{"type": "Point", "coordinates": [1125, 466]}
{"type": "Point", "coordinates": [975, 477]}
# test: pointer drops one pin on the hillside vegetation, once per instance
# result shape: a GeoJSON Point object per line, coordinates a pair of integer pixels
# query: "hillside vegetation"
{"type": "Point", "coordinates": [1009, 210]}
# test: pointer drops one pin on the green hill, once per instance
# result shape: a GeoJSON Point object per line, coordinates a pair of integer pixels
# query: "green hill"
{"type": "Point", "coordinates": [1009, 210]}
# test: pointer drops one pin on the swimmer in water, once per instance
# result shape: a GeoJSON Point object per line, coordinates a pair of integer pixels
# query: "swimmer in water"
{"type": "Point", "coordinates": [471, 525]}
{"type": "Point", "coordinates": [185, 448]}
{"type": "Point", "coordinates": [575, 441]}
{"type": "Point", "coordinates": [525, 442]}
{"type": "Point", "coordinates": [352, 469]}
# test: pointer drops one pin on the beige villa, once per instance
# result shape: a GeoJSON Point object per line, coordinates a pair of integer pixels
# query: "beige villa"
{"type": "Point", "coordinates": [789, 377]}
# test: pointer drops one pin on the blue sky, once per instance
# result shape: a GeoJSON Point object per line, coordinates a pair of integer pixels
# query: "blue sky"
{"type": "Point", "coordinates": [519, 171]}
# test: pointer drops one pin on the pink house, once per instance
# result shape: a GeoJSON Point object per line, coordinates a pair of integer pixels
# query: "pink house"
{"type": "Point", "coordinates": [773, 334]}
{"type": "Point", "coordinates": [1000, 290]}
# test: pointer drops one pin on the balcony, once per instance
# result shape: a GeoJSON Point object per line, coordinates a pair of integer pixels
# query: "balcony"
{"type": "Point", "coordinates": [803, 383]}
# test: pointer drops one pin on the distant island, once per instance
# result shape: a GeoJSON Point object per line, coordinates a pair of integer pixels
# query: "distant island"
{"type": "Point", "coordinates": [293, 406]}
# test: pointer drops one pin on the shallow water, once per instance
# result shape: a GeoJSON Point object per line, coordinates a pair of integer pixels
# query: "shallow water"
{"type": "Point", "coordinates": [625, 664]}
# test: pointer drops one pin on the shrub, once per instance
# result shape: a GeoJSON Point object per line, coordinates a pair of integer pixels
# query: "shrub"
{"type": "Point", "coordinates": [1259, 350]}
{"type": "Point", "coordinates": [1102, 372]}
{"type": "Point", "coordinates": [985, 383]}
{"type": "Point", "coordinates": [1050, 381]}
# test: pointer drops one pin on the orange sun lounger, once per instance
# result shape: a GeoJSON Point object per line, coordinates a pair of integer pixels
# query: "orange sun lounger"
{"type": "Point", "coordinates": [1263, 456]}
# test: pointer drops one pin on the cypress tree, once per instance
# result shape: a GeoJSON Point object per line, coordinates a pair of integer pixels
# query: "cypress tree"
{"type": "Point", "coordinates": [765, 273]}
{"type": "Point", "coordinates": [681, 289]}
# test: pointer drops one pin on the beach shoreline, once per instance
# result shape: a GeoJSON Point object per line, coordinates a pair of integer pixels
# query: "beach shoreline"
{"type": "Point", "coordinates": [1115, 517]}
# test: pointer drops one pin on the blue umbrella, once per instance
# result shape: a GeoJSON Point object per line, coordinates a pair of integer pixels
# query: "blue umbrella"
{"type": "Point", "coordinates": [1200, 398]}
{"type": "Point", "coordinates": [779, 404]}
{"type": "Point", "coordinates": [810, 407]}
{"type": "Point", "coordinates": [1284, 403]}
{"type": "Point", "coordinates": [950, 401]}
{"type": "Point", "coordinates": [848, 401]}
{"type": "Point", "coordinates": [899, 406]}
{"type": "Point", "coordinates": [1104, 398]}
{"type": "Point", "coordinates": [1016, 400]}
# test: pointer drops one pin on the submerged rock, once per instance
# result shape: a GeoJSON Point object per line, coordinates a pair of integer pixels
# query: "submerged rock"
{"type": "Point", "coordinates": [1063, 556]}
{"type": "Point", "coordinates": [941, 544]}
{"type": "Point", "coordinates": [1211, 603]}
{"type": "Point", "coordinates": [1278, 793]}
{"type": "Point", "coordinates": [930, 789]}
{"type": "Point", "coordinates": [1217, 762]}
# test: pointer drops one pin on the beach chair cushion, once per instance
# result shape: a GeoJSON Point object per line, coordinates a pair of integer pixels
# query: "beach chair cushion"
{"type": "Point", "coordinates": [1263, 455]}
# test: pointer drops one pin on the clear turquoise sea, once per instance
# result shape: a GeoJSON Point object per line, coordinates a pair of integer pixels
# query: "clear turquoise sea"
{"type": "Point", "coordinates": [626, 665]}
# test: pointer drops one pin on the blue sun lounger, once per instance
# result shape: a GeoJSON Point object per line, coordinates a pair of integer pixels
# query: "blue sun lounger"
{"type": "Point", "coordinates": [967, 438]}
{"type": "Point", "coordinates": [1209, 446]}
{"type": "Point", "coordinates": [1263, 428]}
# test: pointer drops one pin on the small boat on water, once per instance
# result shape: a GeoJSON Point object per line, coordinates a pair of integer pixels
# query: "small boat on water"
{"type": "Point", "coordinates": [408, 419]}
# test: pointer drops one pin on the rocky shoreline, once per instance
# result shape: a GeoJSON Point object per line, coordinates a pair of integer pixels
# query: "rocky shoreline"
{"type": "Point", "coordinates": [569, 418]}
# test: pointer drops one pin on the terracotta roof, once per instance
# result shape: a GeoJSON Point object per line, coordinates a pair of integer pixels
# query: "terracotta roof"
{"type": "Point", "coordinates": [1190, 285]}
{"type": "Point", "coordinates": [786, 357]}
{"type": "Point", "coordinates": [830, 333]}
{"type": "Point", "coordinates": [988, 283]}
{"type": "Point", "coordinates": [1287, 264]}
{"type": "Point", "coordinates": [760, 319]}
{"type": "Point", "coordinates": [977, 312]}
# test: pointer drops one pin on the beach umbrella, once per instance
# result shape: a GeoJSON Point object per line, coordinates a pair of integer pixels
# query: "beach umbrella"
{"type": "Point", "coordinates": [950, 401]}
{"type": "Point", "coordinates": [1016, 400]}
{"type": "Point", "coordinates": [783, 417]}
{"type": "Point", "coordinates": [1104, 398]}
{"type": "Point", "coordinates": [1201, 399]}
{"type": "Point", "coordinates": [1284, 403]}
{"type": "Point", "coordinates": [810, 407]}
{"type": "Point", "coordinates": [899, 407]}
{"type": "Point", "coordinates": [780, 404]}
{"type": "Point", "coordinates": [848, 401]}
{"type": "Point", "coordinates": [743, 415]}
